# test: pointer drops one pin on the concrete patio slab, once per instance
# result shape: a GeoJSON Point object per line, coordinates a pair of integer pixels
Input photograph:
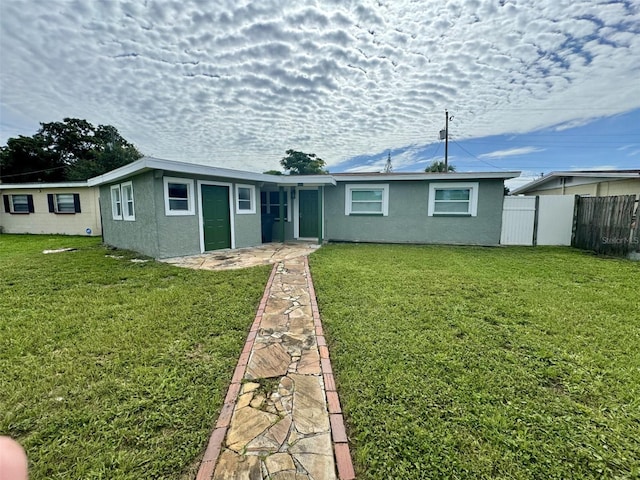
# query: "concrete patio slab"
{"type": "Point", "coordinates": [228, 259]}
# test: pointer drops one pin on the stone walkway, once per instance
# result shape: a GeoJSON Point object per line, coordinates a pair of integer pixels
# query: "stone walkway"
{"type": "Point", "coordinates": [265, 254]}
{"type": "Point", "coordinates": [281, 418]}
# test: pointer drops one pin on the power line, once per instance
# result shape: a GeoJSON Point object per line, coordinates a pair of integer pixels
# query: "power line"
{"type": "Point", "coordinates": [479, 159]}
{"type": "Point", "coordinates": [35, 171]}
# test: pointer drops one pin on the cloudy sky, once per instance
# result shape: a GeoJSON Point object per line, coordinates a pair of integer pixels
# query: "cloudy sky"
{"type": "Point", "coordinates": [532, 85]}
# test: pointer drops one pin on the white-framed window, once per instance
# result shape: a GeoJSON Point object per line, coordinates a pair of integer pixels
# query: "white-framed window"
{"type": "Point", "coordinates": [18, 203]}
{"type": "Point", "coordinates": [366, 199]}
{"type": "Point", "coordinates": [453, 199]}
{"type": "Point", "coordinates": [64, 202]}
{"type": "Point", "coordinates": [245, 199]}
{"type": "Point", "coordinates": [178, 196]}
{"type": "Point", "coordinates": [128, 206]}
{"type": "Point", "coordinates": [116, 202]}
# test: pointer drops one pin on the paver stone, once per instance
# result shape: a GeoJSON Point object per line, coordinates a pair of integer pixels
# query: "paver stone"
{"type": "Point", "coordinates": [270, 361]}
{"type": "Point", "coordinates": [309, 409]}
{"type": "Point", "coordinates": [232, 466]}
{"type": "Point", "coordinates": [246, 424]}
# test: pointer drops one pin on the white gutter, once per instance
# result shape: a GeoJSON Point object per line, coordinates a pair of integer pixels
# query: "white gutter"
{"type": "Point", "coordinates": [381, 177]}
{"type": "Point", "coordinates": [150, 163]}
{"type": "Point", "coordinates": [14, 186]}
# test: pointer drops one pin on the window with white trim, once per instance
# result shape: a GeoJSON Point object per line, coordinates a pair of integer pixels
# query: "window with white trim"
{"type": "Point", "coordinates": [18, 203]}
{"type": "Point", "coordinates": [116, 202]}
{"type": "Point", "coordinates": [178, 196]}
{"type": "Point", "coordinates": [366, 199]}
{"type": "Point", "coordinates": [128, 207]}
{"type": "Point", "coordinates": [64, 202]}
{"type": "Point", "coordinates": [453, 199]}
{"type": "Point", "coordinates": [245, 199]}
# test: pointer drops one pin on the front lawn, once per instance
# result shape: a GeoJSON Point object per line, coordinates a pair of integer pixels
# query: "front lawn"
{"type": "Point", "coordinates": [110, 368]}
{"type": "Point", "coordinates": [462, 362]}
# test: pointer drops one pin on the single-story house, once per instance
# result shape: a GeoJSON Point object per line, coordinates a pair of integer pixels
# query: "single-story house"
{"type": "Point", "coordinates": [595, 183]}
{"type": "Point", "coordinates": [165, 208]}
{"type": "Point", "coordinates": [69, 208]}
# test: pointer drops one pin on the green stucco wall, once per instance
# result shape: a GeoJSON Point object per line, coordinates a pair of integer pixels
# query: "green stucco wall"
{"type": "Point", "coordinates": [140, 234]}
{"type": "Point", "coordinates": [408, 221]}
{"type": "Point", "coordinates": [155, 234]}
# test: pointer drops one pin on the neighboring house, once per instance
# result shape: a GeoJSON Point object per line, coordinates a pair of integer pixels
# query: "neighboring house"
{"type": "Point", "coordinates": [164, 208]}
{"type": "Point", "coordinates": [70, 208]}
{"type": "Point", "coordinates": [587, 183]}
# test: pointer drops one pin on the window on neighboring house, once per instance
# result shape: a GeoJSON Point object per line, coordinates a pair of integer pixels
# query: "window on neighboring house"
{"type": "Point", "coordinates": [245, 199]}
{"type": "Point", "coordinates": [64, 202]}
{"type": "Point", "coordinates": [270, 203]}
{"type": "Point", "coordinates": [453, 199]}
{"type": "Point", "coordinates": [116, 202]}
{"type": "Point", "coordinates": [18, 203]}
{"type": "Point", "coordinates": [178, 196]}
{"type": "Point", "coordinates": [366, 200]}
{"type": "Point", "coordinates": [128, 207]}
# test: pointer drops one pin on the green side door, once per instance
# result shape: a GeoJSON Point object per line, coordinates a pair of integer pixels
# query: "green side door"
{"type": "Point", "coordinates": [308, 207]}
{"type": "Point", "coordinates": [216, 217]}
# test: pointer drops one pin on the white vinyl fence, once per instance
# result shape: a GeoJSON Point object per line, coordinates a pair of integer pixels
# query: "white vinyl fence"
{"type": "Point", "coordinates": [541, 220]}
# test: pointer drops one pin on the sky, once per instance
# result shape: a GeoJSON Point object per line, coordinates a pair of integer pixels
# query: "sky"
{"type": "Point", "coordinates": [530, 85]}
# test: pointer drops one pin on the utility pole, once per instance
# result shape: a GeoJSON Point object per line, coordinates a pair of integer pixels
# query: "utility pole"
{"type": "Point", "coordinates": [444, 135]}
{"type": "Point", "coordinates": [446, 141]}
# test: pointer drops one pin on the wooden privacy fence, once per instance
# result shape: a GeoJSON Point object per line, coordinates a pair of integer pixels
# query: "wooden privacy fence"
{"type": "Point", "coordinates": [607, 225]}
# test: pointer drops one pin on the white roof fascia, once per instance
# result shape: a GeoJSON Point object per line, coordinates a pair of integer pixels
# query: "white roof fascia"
{"type": "Point", "coordinates": [14, 186]}
{"type": "Point", "coordinates": [554, 175]}
{"type": "Point", "coordinates": [303, 180]}
{"type": "Point", "coordinates": [150, 163]}
{"type": "Point", "coordinates": [426, 176]}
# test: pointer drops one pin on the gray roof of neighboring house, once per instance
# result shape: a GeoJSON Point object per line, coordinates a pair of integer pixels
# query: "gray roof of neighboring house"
{"type": "Point", "coordinates": [595, 174]}
{"type": "Point", "coordinates": [150, 163]}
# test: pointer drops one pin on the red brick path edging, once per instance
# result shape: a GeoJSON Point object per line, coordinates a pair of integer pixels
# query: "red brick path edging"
{"type": "Point", "coordinates": [338, 432]}
{"type": "Point", "coordinates": [211, 454]}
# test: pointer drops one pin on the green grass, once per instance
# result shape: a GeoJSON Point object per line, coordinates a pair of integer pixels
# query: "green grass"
{"type": "Point", "coordinates": [462, 362]}
{"type": "Point", "coordinates": [113, 369]}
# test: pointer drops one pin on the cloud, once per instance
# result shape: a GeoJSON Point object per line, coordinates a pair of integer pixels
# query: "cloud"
{"type": "Point", "coordinates": [511, 152]}
{"type": "Point", "coordinates": [239, 83]}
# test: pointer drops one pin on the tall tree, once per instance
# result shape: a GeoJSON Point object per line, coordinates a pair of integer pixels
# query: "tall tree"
{"type": "Point", "coordinates": [299, 163]}
{"type": "Point", "coordinates": [73, 149]}
{"type": "Point", "coordinates": [438, 166]}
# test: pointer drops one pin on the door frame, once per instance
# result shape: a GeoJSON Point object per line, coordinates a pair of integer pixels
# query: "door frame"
{"type": "Point", "coordinates": [201, 216]}
{"type": "Point", "coordinates": [296, 214]}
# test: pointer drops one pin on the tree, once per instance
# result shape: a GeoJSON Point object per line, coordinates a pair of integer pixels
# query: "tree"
{"type": "Point", "coordinates": [438, 166]}
{"type": "Point", "coordinates": [273, 172]}
{"type": "Point", "coordinates": [69, 150]}
{"type": "Point", "coordinates": [299, 163]}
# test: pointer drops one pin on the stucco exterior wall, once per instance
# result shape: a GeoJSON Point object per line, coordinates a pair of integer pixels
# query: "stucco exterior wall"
{"type": "Point", "coordinates": [156, 234]}
{"type": "Point", "coordinates": [408, 220]}
{"type": "Point", "coordinates": [598, 189]}
{"type": "Point", "coordinates": [140, 234]}
{"type": "Point", "coordinates": [41, 221]}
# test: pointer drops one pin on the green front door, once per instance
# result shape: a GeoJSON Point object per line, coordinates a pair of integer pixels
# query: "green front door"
{"type": "Point", "coordinates": [308, 208]}
{"type": "Point", "coordinates": [216, 218]}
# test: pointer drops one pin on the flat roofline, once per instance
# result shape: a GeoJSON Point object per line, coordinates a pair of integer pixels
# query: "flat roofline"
{"type": "Point", "coordinates": [367, 177]}
{"type": "Point", "coordinates": [14, 186]}
{"type": "Point", "coordinates": [618, 175]}
{"type": "Point", "coordinates": [150, 163]}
